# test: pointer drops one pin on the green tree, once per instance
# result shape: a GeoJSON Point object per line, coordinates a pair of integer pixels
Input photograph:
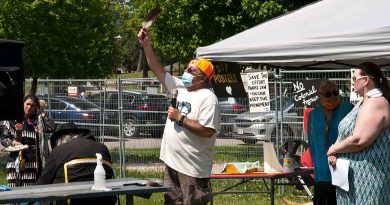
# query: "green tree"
{"type": "Point", "coordinates": [64, 38]}
{"type": "Point", "coordinates": [126, 36]}
{"type": "Point", "coordinates": [184, 25]}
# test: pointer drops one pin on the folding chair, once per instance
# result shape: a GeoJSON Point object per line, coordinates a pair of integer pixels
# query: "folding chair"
{"type": "Point", "coordinates": [84, 162]}
{"type": "Point", "coordinates": [77, 163]}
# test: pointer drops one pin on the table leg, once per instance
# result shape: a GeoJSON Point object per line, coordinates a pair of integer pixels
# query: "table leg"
{"type": "Point", "coordinates": [211, 193]}
{"type": "Point", "coordinates": [129, 200]}
{"type": "Point", "coordinates": [272, 191]}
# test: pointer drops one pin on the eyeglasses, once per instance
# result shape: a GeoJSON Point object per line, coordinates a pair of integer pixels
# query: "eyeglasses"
{"type": "Point", "coordinates": [194, 71]}
{"type": "Point", "coordinates": [190, 69]}
{"type": "Point", "coordinates": [330, 93]}
{"type": "Point", "coordinates": [354, 79]}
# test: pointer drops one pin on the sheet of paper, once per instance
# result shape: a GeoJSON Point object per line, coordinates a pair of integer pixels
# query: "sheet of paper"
{"type": "Point", "coordinates": [271, 163]}
{"type": "Point", "coordinates": [340, 174]}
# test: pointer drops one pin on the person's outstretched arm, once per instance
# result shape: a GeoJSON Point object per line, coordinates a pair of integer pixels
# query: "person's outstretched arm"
{"type": "Point", "coordinates": [154, 63]}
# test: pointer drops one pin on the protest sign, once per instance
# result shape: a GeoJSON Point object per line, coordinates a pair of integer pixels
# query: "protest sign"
{"type": "Point", "coordinates": [227, 81]}
{"type": "Point", "coordinates": [258, 92]}
{"type": "Point", "coordinates": [305, 93]}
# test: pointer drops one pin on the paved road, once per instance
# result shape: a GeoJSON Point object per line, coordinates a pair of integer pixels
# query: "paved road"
{"type": "Point", "coordinates": [155, 143]}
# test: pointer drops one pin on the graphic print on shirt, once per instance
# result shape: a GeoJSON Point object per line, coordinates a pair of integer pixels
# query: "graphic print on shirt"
{"type": "Point", "coordinates": [184, 107]}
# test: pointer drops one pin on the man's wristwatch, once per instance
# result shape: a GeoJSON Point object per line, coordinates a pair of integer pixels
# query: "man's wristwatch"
{"type": "Point", "coordinates": [181, 120]}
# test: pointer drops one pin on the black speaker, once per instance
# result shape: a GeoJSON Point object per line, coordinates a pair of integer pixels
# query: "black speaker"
{"type": "Point", "coordinates": [11, 80]}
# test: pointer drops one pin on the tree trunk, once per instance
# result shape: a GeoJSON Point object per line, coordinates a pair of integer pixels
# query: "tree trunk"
{"type": "Point", "coordinates": [139, 65]}
{"type": "Point", "coordinates": [145, 65]}
{"type": "Point", "coordinates": [33, 86]}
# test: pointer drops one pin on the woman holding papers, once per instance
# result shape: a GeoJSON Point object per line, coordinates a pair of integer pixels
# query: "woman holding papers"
{"type": "Point", "coordinates": [322, 132]}
{"type": "Point", "coordinates": [364, 140]}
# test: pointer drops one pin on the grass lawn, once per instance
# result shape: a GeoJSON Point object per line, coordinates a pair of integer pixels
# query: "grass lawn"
{"type": "Point", "coordinates": [222, 154]}
{"type": "Point", "coordinates": [3, 173]}
{"type": "Point", "coordinates": [132, 75]}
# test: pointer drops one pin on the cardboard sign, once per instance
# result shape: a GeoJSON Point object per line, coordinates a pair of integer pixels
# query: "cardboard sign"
{"type": "Point", "coordinates": [305, 93]}
{"type": "Point", "coordinates": [258, 92]}
{"type": "Point", "coordinates": [227, 81]}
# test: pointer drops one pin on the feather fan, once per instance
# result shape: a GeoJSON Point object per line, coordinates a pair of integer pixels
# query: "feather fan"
{"type": "Point", "coordinates": [152, 15]}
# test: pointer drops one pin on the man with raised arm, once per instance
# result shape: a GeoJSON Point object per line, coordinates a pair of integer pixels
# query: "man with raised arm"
{"type": "Point", "coordinates": [191, 128]}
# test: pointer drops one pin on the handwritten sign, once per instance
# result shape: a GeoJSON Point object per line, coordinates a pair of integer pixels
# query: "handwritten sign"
{"type": "Point", "coordinates": [305, 93]}
{"type": "Point", "coordinates": [227, 80]}
{"type": "Point", "coordinates": [354, 98]}
{"type": "Point", "coordinates": [258, 92]}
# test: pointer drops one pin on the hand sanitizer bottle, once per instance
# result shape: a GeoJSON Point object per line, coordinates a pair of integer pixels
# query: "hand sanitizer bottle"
{"type": "Point", "coordinates": [288, 164]}
{"type": "Point", "coordinates": [99, 174]}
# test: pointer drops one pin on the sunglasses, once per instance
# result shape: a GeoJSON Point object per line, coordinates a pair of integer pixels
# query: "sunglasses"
{"type": "Point", "coordinates": [330, 93]}
{"type": "Point", "coordinates": [354, 79]}
{"type": "Point", "coordinates": [193, 70]}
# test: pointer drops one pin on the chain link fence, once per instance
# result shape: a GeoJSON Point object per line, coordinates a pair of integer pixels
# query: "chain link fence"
{"type": "Point", "coordinates": [125, 114]}
{"type": "Point", "coordinates": [128, 115]}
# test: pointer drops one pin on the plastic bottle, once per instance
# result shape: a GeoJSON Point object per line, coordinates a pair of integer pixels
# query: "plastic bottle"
{"type": "Point", "coordinates": [288, 164]}
{"type": "Point", "coordinates": [99, 174]}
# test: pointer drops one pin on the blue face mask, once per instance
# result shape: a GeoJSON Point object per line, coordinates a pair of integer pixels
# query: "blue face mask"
{"type": "Point", "coordinates": [186, 78]}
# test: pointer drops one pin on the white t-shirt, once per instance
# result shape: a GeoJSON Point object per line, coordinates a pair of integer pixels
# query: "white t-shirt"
{"type": "Point", "coordinates": [181, 149]}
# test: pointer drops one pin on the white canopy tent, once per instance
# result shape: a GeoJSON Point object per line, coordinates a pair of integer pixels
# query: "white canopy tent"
{"type": "Point", "coordinates": [344, 32]}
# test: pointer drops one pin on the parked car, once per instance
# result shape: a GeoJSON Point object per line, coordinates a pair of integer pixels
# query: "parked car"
{"type": "Point", "coordinates": [261, 126]}
{"type": "Point", "coordinates": [230, 107]}
{"type": "Point", "coordinates": [143, 113]}
{"type": "Point", "coordinates": [73, 109]}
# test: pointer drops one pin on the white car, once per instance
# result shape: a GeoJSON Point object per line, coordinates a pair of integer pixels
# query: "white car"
{"type": "Point", "coordinates": [261, 126]}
